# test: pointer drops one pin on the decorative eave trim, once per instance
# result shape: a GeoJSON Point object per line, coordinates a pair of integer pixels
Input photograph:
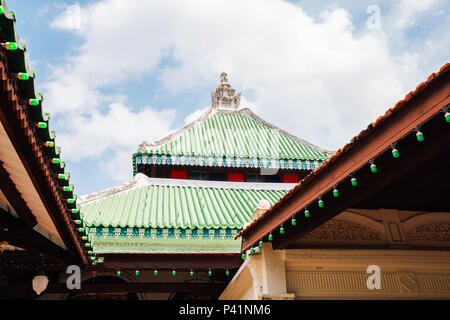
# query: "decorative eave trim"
{"type": "Point", "coordinates": [159, 233]}
{"type": "Point", "coordinates": [150, 148]}
{"type": "Point", "coordinates": [224, 162]}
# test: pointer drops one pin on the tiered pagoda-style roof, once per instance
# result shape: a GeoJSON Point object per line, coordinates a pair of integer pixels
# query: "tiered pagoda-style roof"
{"type": "Point", "coordinates": [226, 136]}
{"type": "Point", "coordinates": [179, 202]}
{"type": "Point", "coordinates": [232, 139]}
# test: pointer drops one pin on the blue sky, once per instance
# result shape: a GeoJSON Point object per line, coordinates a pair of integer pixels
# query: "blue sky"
{"type": "Point", "coordinates": [115, 73]}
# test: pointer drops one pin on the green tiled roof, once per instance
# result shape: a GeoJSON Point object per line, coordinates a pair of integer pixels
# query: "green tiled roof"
{"type": "Point", "coordinates": [239, 134]}
{"type": "Point", "coordinates": [180, 207]}
{"type": "Point", "coordinates": [152, 215]}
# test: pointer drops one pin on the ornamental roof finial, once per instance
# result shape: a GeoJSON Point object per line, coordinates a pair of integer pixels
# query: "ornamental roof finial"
{"type": "Point", "coordinates": [223, 77]}
{"type": "Point", "coordinates": [224, 97]}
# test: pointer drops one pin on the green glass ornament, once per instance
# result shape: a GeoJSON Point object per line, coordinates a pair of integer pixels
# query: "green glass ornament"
{"type": "Point", "coordinates": [395, 153]}
{"type": "Point", "coordinates": [335, 193]}
{"type": "Point", "coordinates": [419, 136]}
{"type": "Point", "coordinates": [447, 116]}
{"type": "Point", "coordinates": [321, 204]}
{"type": "Point", "coordinates": [33, 102]}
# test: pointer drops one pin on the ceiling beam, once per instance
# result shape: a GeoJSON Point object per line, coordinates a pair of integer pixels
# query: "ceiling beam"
{"type": "Point", "coordinates": [15, 199]}
{"type": "Point", "coordinates": [16, 233]}
{"type": "Point", "coordinates": [137, 287]}
{"type": "Point", "coordinates": [169, 261]}
{"type": "Point", "coordinates": [26, 260]}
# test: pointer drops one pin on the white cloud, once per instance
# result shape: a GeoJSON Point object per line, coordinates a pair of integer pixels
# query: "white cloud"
{"type": "Point", "coordinates": [194, 115]}
{"type": "Point", "coordinates": [309, 75]}
{"type": "Point", "coordinates": [409, 9]}
{"type": "Point", "coordinates": [119, 128]}
{"type": "Point", "coordinates": [118, 167]}
{"type": "Point", "coordinates": [70, 19]}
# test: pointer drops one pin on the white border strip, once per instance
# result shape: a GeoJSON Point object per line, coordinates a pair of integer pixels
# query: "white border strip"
{"type": "Point", "coordinates": [141, 180]}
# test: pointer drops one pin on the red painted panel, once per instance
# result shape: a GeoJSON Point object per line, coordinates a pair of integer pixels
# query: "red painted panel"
{"type": "Point", "coordinates": [178, 174]}
{"type": "Point", "coordinates": [290, 178]}
{"type": "Point", "coordinates": [236, 177]}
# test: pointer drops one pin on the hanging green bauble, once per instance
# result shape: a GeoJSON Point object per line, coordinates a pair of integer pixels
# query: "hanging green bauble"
{"type": "Point", "coordinates": [10, 46]}
{"type": "Point", "coordinates": [395, 153]}
{"type": "Point", "coordinates": [335, 193]}
{"type": "Point", "coordinates": [33, 102]}
{"type": "Point", "coordinates": [419, 136]}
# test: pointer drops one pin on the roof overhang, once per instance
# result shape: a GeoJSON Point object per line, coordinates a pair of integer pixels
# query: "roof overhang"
{"type": "Point", "coordinates": [32, 189]}
{"type": "Point", "coordinates": [422, 108]}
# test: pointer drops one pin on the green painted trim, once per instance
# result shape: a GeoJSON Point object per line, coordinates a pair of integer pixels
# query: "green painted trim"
{"type": "Point", "coordinates": [105, 245]}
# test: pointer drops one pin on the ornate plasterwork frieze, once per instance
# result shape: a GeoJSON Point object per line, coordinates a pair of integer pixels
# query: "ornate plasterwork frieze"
{"type": "Point", "coordinates": [341, 230]}
{"type": "Point", "coordinates": [430, 232]}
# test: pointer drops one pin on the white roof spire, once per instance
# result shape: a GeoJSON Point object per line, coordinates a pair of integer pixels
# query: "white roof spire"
{"type": "Point", "coordinates": [224, 97]}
